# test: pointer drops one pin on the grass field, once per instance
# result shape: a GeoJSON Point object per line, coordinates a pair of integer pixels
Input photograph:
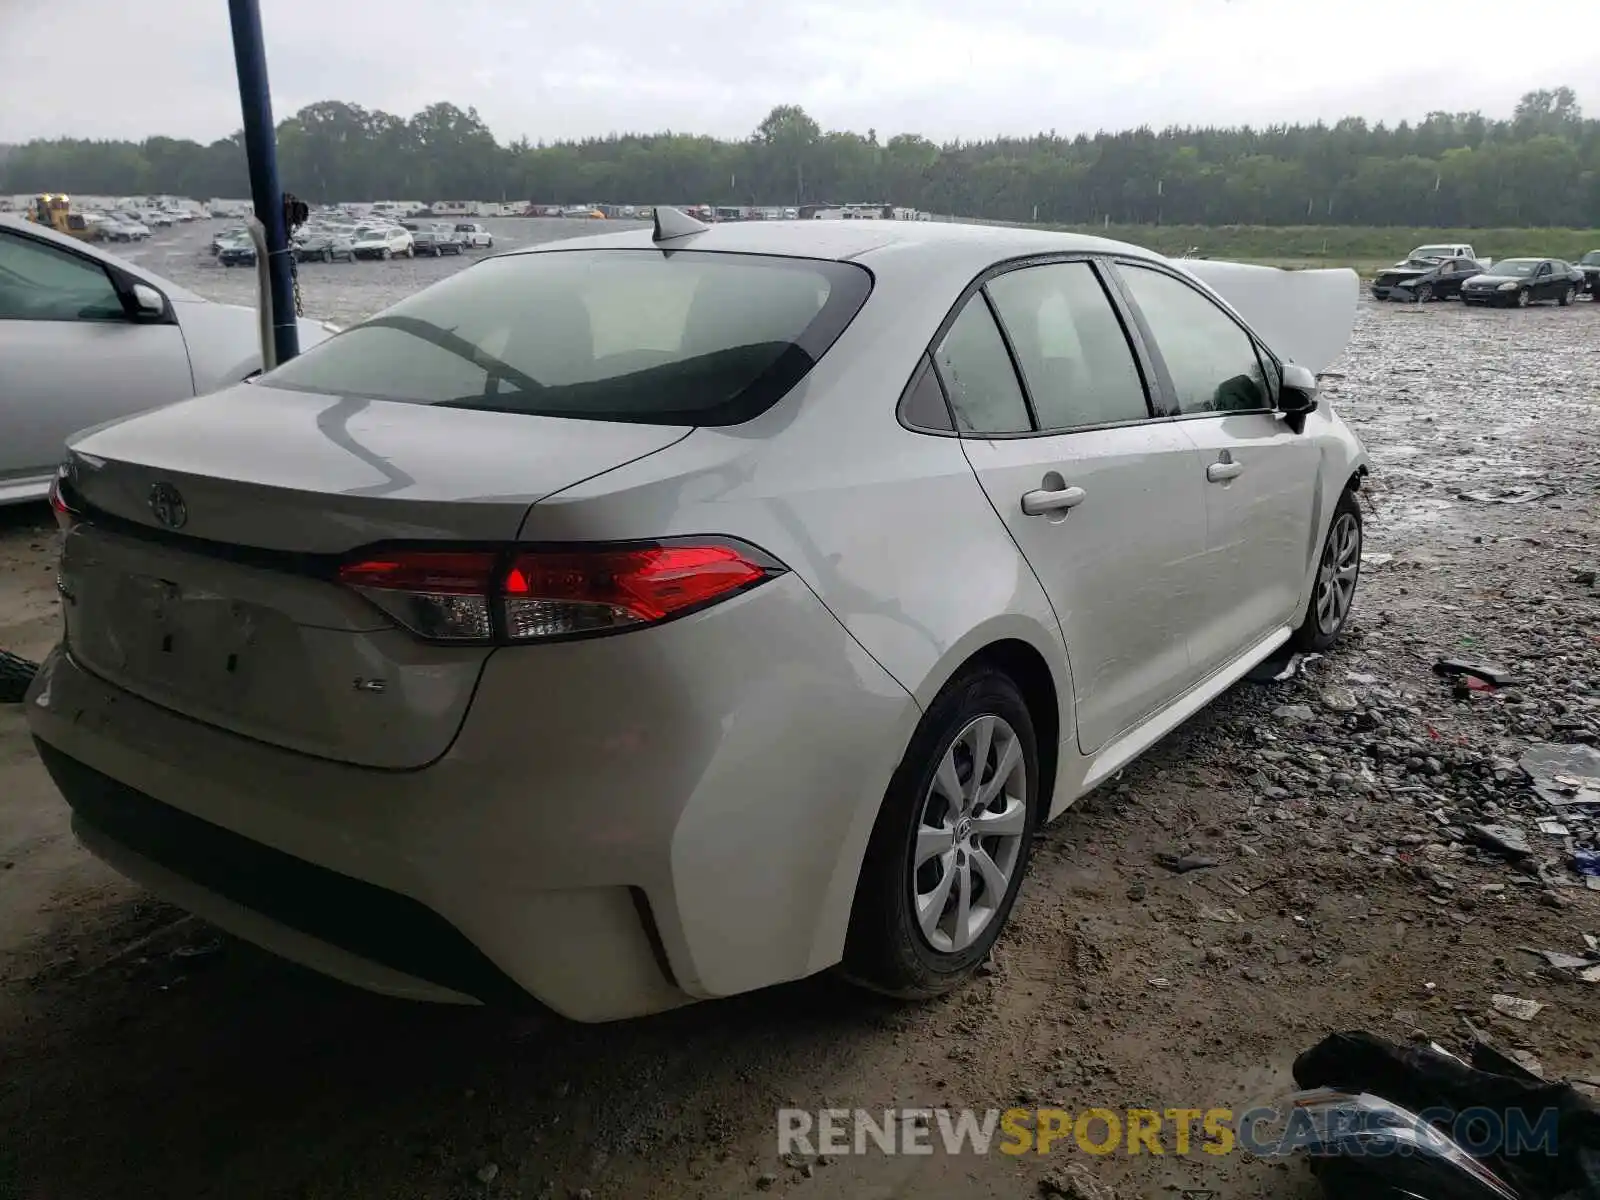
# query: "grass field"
{"type": "Point", "coordinates": [1366, 248]}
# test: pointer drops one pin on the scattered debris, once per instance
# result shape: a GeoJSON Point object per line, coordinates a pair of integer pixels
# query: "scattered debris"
{"type": "Point", "coordinates": [1512, 495]}
{"type": "Point", "coordinates": [1563, 775]}
{"type": "Point", "coordinates": [1340, 700]}
{"type": "Point", "coordinates": [1295, 714]}
{"type": "Point", "coordinates": [1183, 865]}
{"type": "Point", "coordinates": [1489, 673]}
{"type": "Point", "coordinates": [1554, 828]}
{"type": "Point", "coordinates": [1225, 915]}
{"type": "Point", "coordinates": [1072, 1181]}
{"type": "Point", "coordinates": [1501, 838]}
{"type": "Point", "coordinates": [488, 1172]}
{"type": "Point", "coordinates": [1516, 1006]}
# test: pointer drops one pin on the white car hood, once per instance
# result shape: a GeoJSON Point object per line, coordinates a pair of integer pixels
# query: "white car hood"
{"type": "Point", "coordinates": [1305, 317]}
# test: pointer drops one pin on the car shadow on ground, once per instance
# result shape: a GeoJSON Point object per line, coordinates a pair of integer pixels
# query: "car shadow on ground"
{"type": "Point", "coordinates": [166, 1058]}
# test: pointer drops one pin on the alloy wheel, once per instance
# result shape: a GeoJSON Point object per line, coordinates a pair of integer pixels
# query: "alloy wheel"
{"type": "Point", "coordinates": [969, 835]}
{"type": "Point", "coordinates": [1337, 573]}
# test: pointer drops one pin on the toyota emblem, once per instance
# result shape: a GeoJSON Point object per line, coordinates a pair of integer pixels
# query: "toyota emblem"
{"type": "Point", "coordinates": [166, 502]}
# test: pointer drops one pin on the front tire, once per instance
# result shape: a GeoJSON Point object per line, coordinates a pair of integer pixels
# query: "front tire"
{"type": "Point", "coordinates": [1523, 299]}
{"type": "Point", "coordinates": [1424, 293]}
{"type": "Point", "coordinates": [951, 842]}
{"type": "Point", "coordinates": [327, 255]}
{"type": "Point", "coordinates": [1333, 592]}
{"type": "Point", "coordinates": [386, 254]}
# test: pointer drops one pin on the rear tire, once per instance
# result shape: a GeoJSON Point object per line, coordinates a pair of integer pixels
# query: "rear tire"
{"type": "Point", "coordinates": [1333, 591]}
{"type": "Point", "coordinates": [1568, 296]}
{"type": "Point", "coordinates": [978, 724]}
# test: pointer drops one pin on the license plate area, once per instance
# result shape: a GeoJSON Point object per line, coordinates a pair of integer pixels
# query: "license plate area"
{"type": "Point", "coordinates": [190, 641]}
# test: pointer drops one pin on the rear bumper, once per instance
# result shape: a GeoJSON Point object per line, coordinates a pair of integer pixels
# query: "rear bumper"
{"type": "Point", "coordinates": [623, 824]}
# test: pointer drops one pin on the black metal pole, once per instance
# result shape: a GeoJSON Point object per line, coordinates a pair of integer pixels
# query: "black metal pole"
{"type": "Point", "coordinates": [261, 150]}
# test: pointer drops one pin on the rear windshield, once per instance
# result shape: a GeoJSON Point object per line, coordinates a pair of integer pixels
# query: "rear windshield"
{"type": "Point", "coordinates": [673, 337]}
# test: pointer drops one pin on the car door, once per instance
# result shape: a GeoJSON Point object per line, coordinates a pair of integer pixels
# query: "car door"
{"type": "Point", "coordinates": [1095, 485]}
{"type": "Point", "coordinates": [71, 356]}
{"type": "Point", "coordinates": [1542, 286]}
{"type": "Point", "coordinates": [1258, 474]}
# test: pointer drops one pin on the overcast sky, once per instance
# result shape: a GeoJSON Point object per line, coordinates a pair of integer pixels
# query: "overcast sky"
{"type": "Point", "coordinates": [944, 68]}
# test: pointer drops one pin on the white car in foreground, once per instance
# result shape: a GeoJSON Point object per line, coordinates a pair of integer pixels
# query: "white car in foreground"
{"type": "Point", "coordinates": [629, 621]}
{"type": "Point", "coordinates": [86, 337]}
{"type": "Point", "coordinates": [382, 241]}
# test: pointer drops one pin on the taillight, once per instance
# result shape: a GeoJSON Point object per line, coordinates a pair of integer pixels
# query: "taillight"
{"type": "Point", "coordinates": [63, 501]}
{"type": "Point", "coordinates": [523, 595]}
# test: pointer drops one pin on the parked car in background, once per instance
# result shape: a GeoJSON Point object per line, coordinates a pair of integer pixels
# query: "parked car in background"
{"type": "Point", "coordinates": [1421, 280]}
{"type": "Point", "coordinates": [325, 245]}
{"type": "Point", "coordinates": [119, 227]}
{"type": "Point", "coordinates": [433, 238]}
{"type": "Point", "coordinates": [775, 575]}
{"type": "Point", "coordinates": [1525, 281]}
{"type": "Point", "coordinates": [383, 241]}
{"type": "Point", "coordinates": [474, 236]}
{"type": "Point", "coordinates": [1589, 264]}
{"type": "Point", "coordinates": [237, 250]}
{"type": "Point", "coordinates": [223, 236]}
{"type": "Point", "coordinates": [1447, 250]}
{"type": "Point", "coordinates": [86, 337]}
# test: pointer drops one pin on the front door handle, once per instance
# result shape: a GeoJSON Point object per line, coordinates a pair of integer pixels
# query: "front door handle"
{"type": "Point", "coordinates": [1038, 503]}
{"type": "Point", "coordinates": [1221, 472]}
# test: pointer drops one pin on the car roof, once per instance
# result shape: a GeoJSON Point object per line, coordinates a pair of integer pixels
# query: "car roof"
{"type": "Point", "coordinates": [174, 291]}
{"type": "Point", "coordinates": [866, 241]}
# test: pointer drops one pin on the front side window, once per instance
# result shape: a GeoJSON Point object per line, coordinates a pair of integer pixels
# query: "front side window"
{"type": "Point", "coordinates": [978, 376]}
{"type": "Point", "coordinates": [40, 282]}
{"type": "Point", "coordinates": [1070, 345]}
{"type": "Point", "coordinates": [605, 335]}
{"type": "Point", "coordinates": [1212, 361]}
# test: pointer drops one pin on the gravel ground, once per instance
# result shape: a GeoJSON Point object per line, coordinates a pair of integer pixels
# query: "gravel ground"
{"type": "Point", "coordinates": [146, 1055]}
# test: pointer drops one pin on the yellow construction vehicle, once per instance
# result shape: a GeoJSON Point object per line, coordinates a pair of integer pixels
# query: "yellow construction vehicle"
{"type": "Point", "coordinates": [55, 211]}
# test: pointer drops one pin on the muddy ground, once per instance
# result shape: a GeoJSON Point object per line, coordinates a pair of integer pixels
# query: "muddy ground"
{"type": "Point", "coordinates": [146, 1055]}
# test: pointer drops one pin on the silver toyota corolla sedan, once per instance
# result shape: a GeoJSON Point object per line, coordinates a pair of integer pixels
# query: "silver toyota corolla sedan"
{"type": "Point", "coordinates": [653, 617]}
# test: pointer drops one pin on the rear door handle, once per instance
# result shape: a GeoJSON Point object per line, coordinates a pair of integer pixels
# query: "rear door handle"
{"type": "Point", "coordinates": [1038, 503]}
{"type": "Point", "coordinates": [1221, 472]}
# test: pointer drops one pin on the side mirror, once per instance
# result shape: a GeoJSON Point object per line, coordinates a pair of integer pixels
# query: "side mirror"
{"type": "Point", "coordinates": [1298, 395]}
{"type": "Point", "coordinates": [148, 302]}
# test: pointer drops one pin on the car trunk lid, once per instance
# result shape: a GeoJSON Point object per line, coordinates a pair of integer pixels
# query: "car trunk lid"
{"type": "Point", "coordinates": [200, 572]}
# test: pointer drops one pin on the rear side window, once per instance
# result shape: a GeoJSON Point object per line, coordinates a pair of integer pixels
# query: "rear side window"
{"type": "Point", "coordinates": [1070, 345]}
{"type": "Point", "coordinates": [978, 376]}
{"type": "Point", "coordinates": [610, 335]}
{"type": "Point", "coordinates": [1211, 359]}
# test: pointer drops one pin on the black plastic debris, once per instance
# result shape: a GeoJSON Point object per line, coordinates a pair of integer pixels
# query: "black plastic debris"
{"type": "Point", "coordinates": [1491, 673]}
{"type": "Point", "coordinates": [15, 676]}
{"type": "Point", "coordinates": [1463, 1102]}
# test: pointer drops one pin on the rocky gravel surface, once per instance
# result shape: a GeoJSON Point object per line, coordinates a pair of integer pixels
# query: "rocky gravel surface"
{"type": "Point", "coordinates": [1359, 845]}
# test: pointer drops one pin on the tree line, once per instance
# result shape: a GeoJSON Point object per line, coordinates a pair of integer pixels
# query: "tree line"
{"type": "Point", "coordinates": [1539, 167]}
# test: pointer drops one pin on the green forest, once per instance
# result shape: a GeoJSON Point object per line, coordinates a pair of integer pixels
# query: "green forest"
{"type": "Point", "coordinates": [1539, 166]}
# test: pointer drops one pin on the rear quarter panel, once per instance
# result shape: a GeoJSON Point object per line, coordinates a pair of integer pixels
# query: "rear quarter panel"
{"type": "Point", "coordinates": [889, 528]}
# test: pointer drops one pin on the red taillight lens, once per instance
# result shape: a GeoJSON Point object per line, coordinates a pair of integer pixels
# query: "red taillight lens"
{"type": "Point", "coordinates": [61, 502]}
{"type": "Point", "coordinates": [442, 595]}
{"type": "Point", "coordinates": [548, 595]}
{"type": "Point", "coordinates": [527, 595]}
